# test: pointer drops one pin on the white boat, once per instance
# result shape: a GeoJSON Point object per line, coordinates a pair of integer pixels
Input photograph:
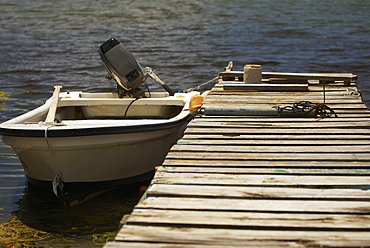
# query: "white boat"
{"type": "Point", "coordinates": [80, 143]}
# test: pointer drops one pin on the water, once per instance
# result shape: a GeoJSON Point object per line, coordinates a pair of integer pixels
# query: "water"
{"type": "Point", "coordinates": [47, 43]}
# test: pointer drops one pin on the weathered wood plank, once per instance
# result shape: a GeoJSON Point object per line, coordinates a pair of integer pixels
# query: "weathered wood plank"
{"type": "Point", "coordinates": [269, 105]}
{"type": "Point", "coordinates": [243, 136]}
{"type": "Point", "coordinates": [273, 119]}
{"type": "Point", "coordinates": [280, 131]}
{"type": "Point", "coordinates": [337, 85]}
{"type": "Point", "coordinates": [340, 92]}
{"type": "Point", "coordinates": [244, 192]}
{"type": "Point", "coordinates": [296, 76]}
{"type": "Point", "coordinates": [269, 170]}
{"type": "Point", "coordinates": [343, 115]}
{"type": "Point", "coordinates": [150, 244]}
{"type": "Point", "coordinates": [285, 80]}
{"type": "Point", "coordinates": [237, 237]}
{"type": "Point", "coordinates": [258, 205]}
{"type": "Point", "coordinates": [311, 76]}
{"type": "Point", "coordinates": [263, 180]}
{"type": "Point", "coordinates": [318, 150]}
{"type": "Point", "coordinates": [266, 87]}
{"type": "Point", "coordinates": [165, 244]}
{"type": "Point", "coordinates": [352, 114]}
{"type": "Point", "coordinates": [256, 124]}
{"type": "Point", "coordinates": [249, 220]}
{"type": "Point", "coordinates": [218, 89]}
{"type": "Point", "coordinates": [179, 161]}
{"type": "Point", "coordinates": [220, 141]}
{"type": "Point", "coordinates": [282, 103]}
{"type": "Point", "coordinates": [272, 111]}
{"type": "Point", "coordinates": [268, 119]}
{"type": "Point", "coordinates": [227, 156]}
{"type": "Point", "coordinates": [284, 99]}
{"type": "Point", "coordinates": [254, 97]}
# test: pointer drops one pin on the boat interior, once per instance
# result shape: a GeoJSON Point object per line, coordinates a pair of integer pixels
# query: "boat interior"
{"type": "Point", "coordinates": [100, 106]}
{"type": "Point", "coordinates": [110, 106]}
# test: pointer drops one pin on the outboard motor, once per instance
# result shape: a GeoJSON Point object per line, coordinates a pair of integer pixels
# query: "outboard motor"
{"type": "Point", "coordinates": [121, 65]}
{"type": "Point", "coordinates": [125, 70]}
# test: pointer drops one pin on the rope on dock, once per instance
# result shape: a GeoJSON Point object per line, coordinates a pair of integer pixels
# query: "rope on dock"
{"type": "Point", "coordinates": [306, 109]}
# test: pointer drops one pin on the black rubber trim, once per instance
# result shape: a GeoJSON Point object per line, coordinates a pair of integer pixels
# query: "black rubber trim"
{"type": "Point", "coordinates": [109, 44]}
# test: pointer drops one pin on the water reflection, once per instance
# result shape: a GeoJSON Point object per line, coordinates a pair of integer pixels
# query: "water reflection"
{"type": "Point", "coordinates": [88, 224]}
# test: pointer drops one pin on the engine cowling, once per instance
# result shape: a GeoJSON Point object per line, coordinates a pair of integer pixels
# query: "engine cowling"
{"type": "Point", "coordinates": [121, 65]}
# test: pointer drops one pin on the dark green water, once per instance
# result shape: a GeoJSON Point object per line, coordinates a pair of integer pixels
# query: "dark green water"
{"type": "Point", "coordinates": [47, 43]}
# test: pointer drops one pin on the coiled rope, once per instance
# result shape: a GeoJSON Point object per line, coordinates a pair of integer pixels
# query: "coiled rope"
{"type": "Point", "coordinates": [308, 109]}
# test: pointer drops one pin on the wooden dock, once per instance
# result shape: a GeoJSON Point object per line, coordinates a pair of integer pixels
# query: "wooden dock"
{"type": "Point", "coordinates": [263, 180]}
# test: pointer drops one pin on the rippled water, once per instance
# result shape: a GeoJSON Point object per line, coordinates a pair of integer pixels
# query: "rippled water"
{"type": "Point", "coordinates": [47, 43]}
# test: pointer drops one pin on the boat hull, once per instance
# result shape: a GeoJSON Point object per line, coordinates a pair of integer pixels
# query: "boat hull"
{"type": "Point", "coordinates": [94, 158]}
{"type": "Point", "coordinates": [96, 139]}
{"type": "Point", "coordinates": [90, 165]}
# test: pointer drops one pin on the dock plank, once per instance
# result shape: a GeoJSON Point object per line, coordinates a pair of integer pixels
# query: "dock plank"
{"type": "Point", "coordinates": [280, 131]}
{"type": "Point", "coordinates": [243, 136]}
{"type": "Point", "coordinates": [245, 220]}
{"type": "Point", "coordinates": [257, 205]}
{"type": "Point", "coordinates": [235, 237]}
{"type": "Point", "coordinates": [218, 141]}
{"type": "Point", "coordinates": [261, 149]}
{"type": "Point", "coordinates": [291, 125]}
{"type": "Point", "coordinates": [221, 164]}
{"type": "Point", "coordinates": [278, 119]}
{"type": "Point", "coordinates": [291, 156]}
{"type": "Point", "coordinates": [316, 181]}
{"type": "Point", "coordinates": [245, 192]}
{"type": "Point", "coordinates": [294, 170]}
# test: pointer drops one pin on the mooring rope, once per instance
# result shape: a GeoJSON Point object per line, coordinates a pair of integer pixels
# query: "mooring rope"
{"type": "Point", "coordinates": [197, 88]}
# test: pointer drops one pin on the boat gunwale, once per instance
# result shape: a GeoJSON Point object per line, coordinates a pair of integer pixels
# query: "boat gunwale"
{"type": "Point", "coordinates": [72, 132]}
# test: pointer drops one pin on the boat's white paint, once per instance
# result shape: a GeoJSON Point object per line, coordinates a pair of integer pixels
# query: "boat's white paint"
{"type": "Point", "coordinates": [93, 158]}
